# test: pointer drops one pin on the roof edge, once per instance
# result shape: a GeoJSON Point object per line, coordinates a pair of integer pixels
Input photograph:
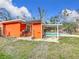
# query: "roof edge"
{"type": "Point", "coordinates": [15, 20]}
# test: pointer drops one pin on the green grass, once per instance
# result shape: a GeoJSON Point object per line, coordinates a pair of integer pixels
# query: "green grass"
{"type": "Point", "coordinates": [68, 48]}
{"type": "Point", "coordinates": [10, 49]}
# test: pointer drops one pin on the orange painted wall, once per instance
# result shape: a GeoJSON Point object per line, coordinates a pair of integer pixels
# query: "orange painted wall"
{"type": "Point", "coordinates": [37, 30]}
{"type": "Point", "coordinates": [12, 29]}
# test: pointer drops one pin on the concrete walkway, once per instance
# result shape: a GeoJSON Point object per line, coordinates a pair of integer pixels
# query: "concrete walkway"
{"type": "Point", "coordinates": [43, 39]}
{"type": "Point", "coordinates": [50, 39]}
{"type": "Point", "coordinates": [69, 35]}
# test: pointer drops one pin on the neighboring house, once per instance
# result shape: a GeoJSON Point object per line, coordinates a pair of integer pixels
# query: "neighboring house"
{"type": "Point", "coordinates": [19, 28]}
{"type": "Point", "coordinates": [12, 28]}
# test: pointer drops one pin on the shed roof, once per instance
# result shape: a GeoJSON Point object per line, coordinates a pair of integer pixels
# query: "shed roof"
{"type": "Point", "coordinates": [35, 21]}
{"type": "Point", "coordinates": [11, 21]}
{"type": "Point", "coordinates": [51, 25]}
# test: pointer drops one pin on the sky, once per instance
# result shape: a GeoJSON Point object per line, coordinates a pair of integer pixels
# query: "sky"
{"type": "Point", "coordinates": [51, 7]}
{"type": "Point", "coordinates": [14, 11]}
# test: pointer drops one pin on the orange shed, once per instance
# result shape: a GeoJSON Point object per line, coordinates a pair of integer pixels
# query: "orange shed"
{"type": "Point", "coordinates": [17, 28]}
{"type": "Point", "coordinates": [13, 28]}
{"type": "Point", "coordinates": [36, 26]}
{"type": "Point", "coordinates": [35, 29]}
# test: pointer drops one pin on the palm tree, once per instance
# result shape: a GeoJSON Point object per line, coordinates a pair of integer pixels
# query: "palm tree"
{"type": "Point", "coordinates": [54, 19]}
{"type": "Point", "coordinates": [42, 14]}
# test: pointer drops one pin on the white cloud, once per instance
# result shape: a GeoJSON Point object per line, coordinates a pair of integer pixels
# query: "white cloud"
{"type": "Point", "coordinates": [14, 10]}
{"type": "Point", "coordinates": [72, 15]}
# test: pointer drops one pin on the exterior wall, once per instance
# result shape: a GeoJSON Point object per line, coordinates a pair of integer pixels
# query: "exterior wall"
{"type": "Point", "coordinates": [29, 31]}
{"type": "Point", "coordinates": [12, 29]}
{"type": "Point", "coordinates": [25, 27]}
{"type": "Point", "coordinates": [1, 30]}
{"type": "Point", "coordinates": [22, 26]}
{"type": "Point", "coordinates": [37, 30]}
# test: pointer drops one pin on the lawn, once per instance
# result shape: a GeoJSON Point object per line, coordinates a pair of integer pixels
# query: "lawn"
{"type": "Point", "coordinates": [10, 49]}
{"type": "Point", "coordinates": [68, 48]}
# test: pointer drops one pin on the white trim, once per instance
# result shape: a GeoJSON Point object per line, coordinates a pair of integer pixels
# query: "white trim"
{"type": "Point", "coordinates": [41, 31]}
{"type": "Point", "coordinates": [57, 32]}
{"type": "Point", "coordinates": [32, 30]}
